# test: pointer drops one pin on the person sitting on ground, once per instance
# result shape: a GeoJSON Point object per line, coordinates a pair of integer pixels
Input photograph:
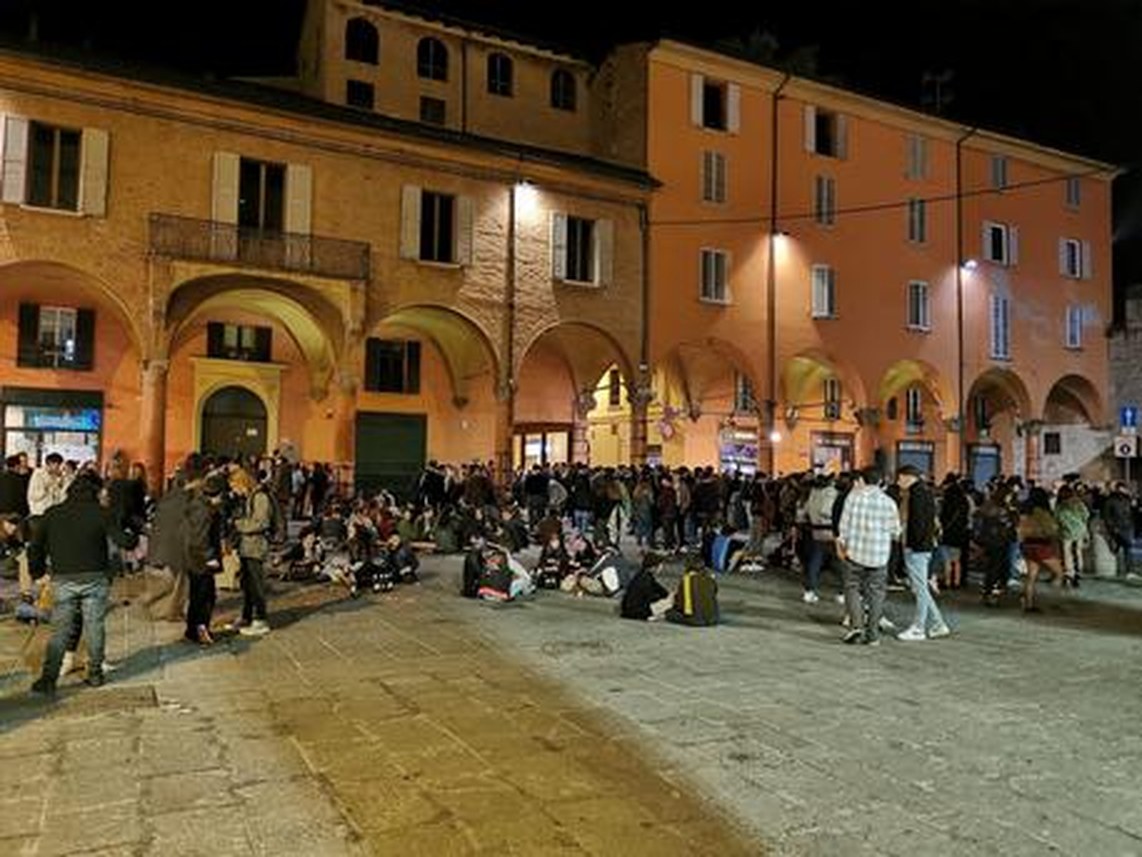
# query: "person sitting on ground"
{"type": "Point", "coordinates": [606, 578]}
{"type": "Point", "coordinates": [503, 578]}
{"type": "Point", "coordinates": [554, 563]}
{"type": "Point", "coordinates": [406, 526]}
{"type": "Point", "coordinates": [695, 601]}
{"type": "Point", "coordinates": [402, 560]}
{"type": "Point", "coordinates": [512, 530]}
{"type": "Point", "coordinates": [645, 598]}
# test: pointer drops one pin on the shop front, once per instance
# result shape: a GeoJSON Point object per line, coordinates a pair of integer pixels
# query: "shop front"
{"type": "Point", "coordinates": [541, 443]}
{"type": "Point", "coordinates": [40, 422]}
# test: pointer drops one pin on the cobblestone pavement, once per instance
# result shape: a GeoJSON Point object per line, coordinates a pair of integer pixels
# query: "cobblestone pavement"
{"type": "Point", "coordinates": [420, 723]}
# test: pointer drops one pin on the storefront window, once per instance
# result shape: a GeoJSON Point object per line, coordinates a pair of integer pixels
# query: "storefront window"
{"type": "Point", "coordinates": [72, 432]}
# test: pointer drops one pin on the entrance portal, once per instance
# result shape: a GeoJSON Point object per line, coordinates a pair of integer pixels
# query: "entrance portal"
{"type": "Point", "coordinates": [234, 423]}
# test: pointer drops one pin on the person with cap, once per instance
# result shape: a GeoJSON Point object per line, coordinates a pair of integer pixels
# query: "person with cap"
{"type": "Point", "coordinates": [919, 526]}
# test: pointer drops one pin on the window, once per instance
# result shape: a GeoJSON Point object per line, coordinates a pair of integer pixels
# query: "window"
{"type": "Point", "coordinates": [981, 414]}
{"type": "Point", "coordinates": [917, 221]}
{"type": "Point", "coordinates": [499, 74]}
{"type": "Point", "coordinates": [580, 250]}
{"type": "Point", "coordinates": [238, 342]}
{"type": "Point", "coordinates": [917, 168]}
{"type": "Point", "coordinates": [998, 172]}
{"type": "Point", "coordinates": [1000, 327]}
{"type": "Point", "coordinates": [1052, 443]}
{"type": "Point", "coordinates": [432, 110]}
{"type": "Point", "coordinates": [824, 296]}
{"type": "Point", "coordinates": [1073, 191]}
{"type": "Point", "coordinates": [999, 243]}
{"type": "Point", "coordinates": [362, 42]}
{"type": "Point", "coordinates": [53, 167]}
{"type": "Point", "coordinates": [919, 317]}
{"type": "Point", "coordinates": [713, 177]}
{"type": "Point", "coordinates": [913, 407]}
{"type": "Point", "coordinates": [55, 337]}
{"type": "Point", "coordinates": [614, 388]}
{"type": "Point", "coordinates": [744, 400]}
{"type": "Point", "coordinates": [826, 133]}
{"type": "Point", "coordinates": [432, 59]}
{"type": "Point", "coordinates": [825, 200]}
{"type": "Point", "coordinates": [831, 393]}
{"type": "Point", "coordinates": [437, 227]}
{"type": "Point", "coordinates": [1075, 258]}
{"type": "Point", "coordinates": [392, 366]}
{"type": "Point", "coordinates": [562, 89]}
{"type": "Point", "coordinates": [358, 93]}
{"type": "Point", "coordinates": [261, 195]}
{"type": "Point", "coordinates": [714, 105]}
{"type": "Point", "coordinates": [1074, 331]}
{"type": "Point", "coordinates": [714, 274]}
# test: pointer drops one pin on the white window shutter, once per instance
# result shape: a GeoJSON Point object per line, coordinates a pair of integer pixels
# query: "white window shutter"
{"type": "Point", "coordinates": [94, 145]}
{"type": "Point", "coordinates": [832, 280]}
{"type": "Point", "coordinates": [995, 324]}
{"type": "Point", "coordinates": [842, 136]}
{"type": "Point", "coordinates": [224, 206]}
{"type": "Point", "coordinates": [604, 252]}
{"type": "Point", "coordinates": [810, 128]}
{"type": "Point", "coordinates": [15, 159]}
{"type": "Point", "coordinates": [410, 199]}
{"type": "Point", "coordinates": [558, 245]}
{"type": "Point", "coordinates": [721, 183]}
{"type": "Point", "coordinates": [733, 108]}
{"type": "Point", "coordinates": [727, 267]}
{"type": "Point", "coordinates": [1088, 261]}
{"type": "Point", "coordinates": [299, 199]}
{"type": "Point", "coordinates": [465, 224]}
{"type": "Point", "coordinates": [697, 91]}
{"type": "Point", "coordinates": [1013, 245]}
{"type": "Point", "coordinates": [1063, 256]}
{"type": "Point", "coordinates": [986, 245]}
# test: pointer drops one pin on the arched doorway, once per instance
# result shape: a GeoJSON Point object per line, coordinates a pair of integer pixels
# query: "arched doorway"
{"type": "Point", "coordinates": [998, 407]}
{"type": "Point", "coordinates": [233, 423]}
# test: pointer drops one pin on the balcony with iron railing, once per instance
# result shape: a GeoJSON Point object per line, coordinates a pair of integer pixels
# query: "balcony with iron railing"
{"type": "Point", "coordinates": [227, 243]}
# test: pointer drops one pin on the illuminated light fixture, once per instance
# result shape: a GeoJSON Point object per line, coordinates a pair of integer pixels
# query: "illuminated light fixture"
{"type": "Point", "coordinates": [775, 436]}
{"type": "Point", "coordinates": [526, 198]}
{"type": "Point", "coordinates": [971, 265]}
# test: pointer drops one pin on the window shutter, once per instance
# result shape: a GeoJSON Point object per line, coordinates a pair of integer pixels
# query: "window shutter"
{"type": "Point", "coordinates": [412, 367]}
{"type": "Point", "coordinates": [372, 364]}
{"type": "Point", "coordinates": [84, 339]}
{"type": "Point", "coordinates": [720, 183]}
{"type": "Point", "coordinates": [697, 91]}
{"type": "Point", "coordinates": [263, 343]}
{"type": "Point", "coordinates": [224, 208]}
{"type": "Point", "coordinates": [558, 246]}
{"type": "Point", "coordinates": [299, 198]}
{"type": "Point", "coordinates": [93, 173]}
{"type": "Point", "coordinates": [28, 343]}
{"type": "Point", "coordinates": [1013, 245]}
{"type": "Point", "coordinates": [842, 136]}
{"type": "Point", "coordinates": [15, 159]}
{"type": "Point", "coordinates": [831, 280]}
{"type": "Point", "coordinates": [1063, 256]}
{"type": "Point", "coordinates": [604, 252]}
{"type": "Point", "coordinates": [465, 223]}
{"type": "Point", "coordinates": [215, 334]}
{"type": "Point", "coordinates": [986, 245]}
{"type": "Point", "coordinates": [994, 325]}
{"type": "Point", "coordinates": [707, 176]}
{"type": "Point", "coordinates": [1087, 261]}
{"type": "Point", "coordinates": [733, 108]}
{"type": "Point", "coordinates": [410, 222]}
{"type": "Point", "coordinates": [810, 128]}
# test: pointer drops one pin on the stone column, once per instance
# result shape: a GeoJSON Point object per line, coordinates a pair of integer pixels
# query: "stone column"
{"type": "Point", "coordinates": [1032, 433]}
{"type": "Point", "coordinates": [153, 422]}
{"type": "Point", "coordinates": [639, 397]}
{"type": "Point", "coordinates": [581, 409]}
{"type": "Point", "coordinates": [504, 434]}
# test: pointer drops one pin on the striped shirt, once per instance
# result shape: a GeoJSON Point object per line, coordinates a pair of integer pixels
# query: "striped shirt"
{"type": "Point", "coordinates": [869, 523]}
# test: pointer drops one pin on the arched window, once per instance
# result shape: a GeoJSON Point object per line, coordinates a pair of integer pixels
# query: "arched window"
{"type": "Point", "coordinates": [362, 43]}
{"type": "Point", "coordinates": [499, 74]}
{"type": "Point", "coordinates": [562, 90]}
{"type": "Point", "coordinates": [432, 59]}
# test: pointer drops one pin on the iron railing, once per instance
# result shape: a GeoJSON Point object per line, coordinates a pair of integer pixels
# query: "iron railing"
{"type": "Point", "coordinates": [213, 241]}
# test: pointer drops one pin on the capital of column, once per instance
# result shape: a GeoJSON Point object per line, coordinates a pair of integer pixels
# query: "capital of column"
{"type": "Point", "coordinates": [156, 366]}
{"type": "Point", "coordinates": [640, 396]}
{"type": "Point", "coordinates": [584, 403]}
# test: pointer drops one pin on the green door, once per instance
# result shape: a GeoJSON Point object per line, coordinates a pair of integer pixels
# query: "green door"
{"type": "Point", "coordinates": [391, 450]}
{"type": "Point", "coordinates": [234, 424]}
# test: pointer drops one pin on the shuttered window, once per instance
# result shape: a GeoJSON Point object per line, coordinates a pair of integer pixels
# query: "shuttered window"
{"type": "Point", "coordinates": [55, 337]}
{"type": "Point", "coordinates": [824, 297]}
{"type": "Point", "coordinates": [431, 59]}
{"type": "Point", "coordinates": [919, 314]}
{"type": "Point", "coordinates": [825, 200]}
{"type": "Point", "coordinates": [239, 342]}
{"type": "Point", "coordinates": [582, 250]}
{"type": "Point", "coordinates": [917, 221]}
{"type": "Point", "coordinates": [1000, 327]}
{"type": "Point", "coordinates": [53, 167]}
{"type": "Point", "coordinates": [714, 276]}
{"type": "Point", "coordinates": [563, 90]}
{"type": "Point", "coordinates": [713, 177]}
{"type": "Point", "coordinates": [1074, 327]}
{"type": "Point", "coordinates": [392, 366]}
{"type": "Point", "coordinates": [500, 74]}
{"type": "Point", "coordinates": [917, 157]}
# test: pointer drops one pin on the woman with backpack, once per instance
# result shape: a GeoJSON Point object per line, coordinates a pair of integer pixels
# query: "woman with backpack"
{"type": "Point", "coordinates": [1039, 542]}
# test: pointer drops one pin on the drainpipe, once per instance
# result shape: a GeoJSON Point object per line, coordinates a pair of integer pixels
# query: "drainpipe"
{"type": "Point", "coordinates": [508, 383]}
{"type": "Point", "coordinates": [644, 334]}
{"type": "Point", "coordinates": [464, 88]}
{"type": "Point", "coordinates": [771, 284]}
{"type": "Point", "coordinates": [960, 392]}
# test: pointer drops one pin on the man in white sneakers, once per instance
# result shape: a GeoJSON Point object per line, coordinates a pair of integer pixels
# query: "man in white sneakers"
{"type": "Point", "coordinates": [869, 523]}
{"type": "Point", "coordinates": [918, 514]}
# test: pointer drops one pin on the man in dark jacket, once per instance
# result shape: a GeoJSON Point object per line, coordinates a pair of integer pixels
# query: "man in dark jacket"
{"type": "Point", "coordinates": [14, 486]}
{"type": "Point", "coordinates": [645, 598]}
{"type": "Point", "coordinates": [1118, 517]}
{"type": "Point", "coordinates": [74, 535]}
{"type": "Point", "coordinates": [918, 520]}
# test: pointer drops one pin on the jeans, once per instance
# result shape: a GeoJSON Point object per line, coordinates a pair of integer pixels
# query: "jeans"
{"type": "Point", "coordinates": [820, 553]}
{"type": "Point", "coordinates": [201, 606]}
{"type": "Point", "coordinates": [73, 599]}
{"type": "Point", "coordinates": [253, 589]}
{"type": "Point", "coordinates": [582, 521]}
{"type": "Point", "coordinates": [1073, 557]}
{"type": "Point", "coordinates": [865, 584]}
{"type": "Point", "coordinates": [917, 563]}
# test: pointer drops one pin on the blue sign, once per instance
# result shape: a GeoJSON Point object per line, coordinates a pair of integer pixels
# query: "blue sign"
{"type": "Point", "coordinates": [1128, 416]}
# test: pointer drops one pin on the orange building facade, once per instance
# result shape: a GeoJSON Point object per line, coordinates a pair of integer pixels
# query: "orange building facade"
{"type": "Point", "coordinates": [437, 242]}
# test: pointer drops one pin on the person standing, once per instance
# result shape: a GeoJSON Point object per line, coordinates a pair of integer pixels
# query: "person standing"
{"type": "Point", "coordinates": [252, 525]}
{"type": "Point", "coordinates": [955, 528]}
{"type": "Point", "coordinates": [1073, 517]}
{"type": "Point", "coordinates": [819, 511]}
{"type": "Point", "coordinates": [46, 486]}
{"type": "Point", "coordinates": [14, 487]}
{"type": "Point", "coordinates": [198, 549]}
{"type": "Point", "coordinates": [318, 487]}
{"type": "Point", "coordinates": [918, 508]}
{"type": "Point", "coordinates": [869, 523]}
{"type": "Point", "coordinates": [74, 536]}
{"type": "Point", "coordinates": [1118, 516]}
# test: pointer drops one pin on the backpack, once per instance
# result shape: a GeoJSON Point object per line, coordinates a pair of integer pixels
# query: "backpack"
{"type": "Point", "coordinates": [473, 570]}
{"type": "Point", "coordinates": [696, 602]}
{"type": "Point", "coordinates": [278, 531]}
{"type": "Point", "coordinates": [993, 530]}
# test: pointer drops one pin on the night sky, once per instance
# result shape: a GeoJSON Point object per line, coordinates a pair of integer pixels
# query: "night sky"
{"type": "Point", "coordinates": [1061, 72]}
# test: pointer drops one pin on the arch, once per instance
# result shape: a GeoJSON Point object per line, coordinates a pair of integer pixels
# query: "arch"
{"type": "Point", "coordinates": [1004, 387]}
{"type": "Point", "coordinates": [500, 74]}
{"type": "Point", "coordinates": [1073, 396]}
{"type": "Point", "coordinates": [563, 94]}
{"type": "Point", "coordinates": [909, 373]}
{"type": "Point", "coordinates": [588, 350]}
{"type": "Point", "coordinates": [464, 345]}
{"type": "Point", "coordinates": [62, 277]}
{"type": "Point", "coordinates": [697, 366]}
{"type": "Point", "coordinates": [804, 374]}
{"type": "Point", "coordinates": [362, 41]}
{"type": "Point", "coordinates": [431, 59]}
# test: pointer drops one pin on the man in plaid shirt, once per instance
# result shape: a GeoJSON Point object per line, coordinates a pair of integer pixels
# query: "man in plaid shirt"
{"type": "Point", "coordinates": [869, 523]}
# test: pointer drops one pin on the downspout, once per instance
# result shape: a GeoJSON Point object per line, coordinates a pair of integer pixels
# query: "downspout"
{"type": "Point", "coordinates": [771, 284]}
{"type": "Point", "coordinates": [644, 333]}
{"type": "Point", "coordinates": [464, 88]}
{"type": "Point", "coordinates": [508, 390]}
{"type": "Point", "coordinates": [960, 392]}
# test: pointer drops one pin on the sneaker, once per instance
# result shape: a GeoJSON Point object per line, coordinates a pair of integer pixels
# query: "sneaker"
{"type": "Point", "coordinates": [887, 625]}
{"type": "Point", "coordinates": [257, 628]}
{"type": "Point", "coordinates": [810, 597]}
{"type": "Point", "coordinates": [94, 679]}
{"type": "Point", "coordinates": [912, 634]}
{"type": "Point", "coordinates": [237, 625]}
{"type": "Point", "coordinates": [940, 630]}
{"type": "Point", "coordinates": [845, 621]}
{"type": "Point", "coordinates": [67, 666]}
{"type": "Point", "coordinates": [852, 637]}
{"type": "Point", "coordinates": [839, 598]}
